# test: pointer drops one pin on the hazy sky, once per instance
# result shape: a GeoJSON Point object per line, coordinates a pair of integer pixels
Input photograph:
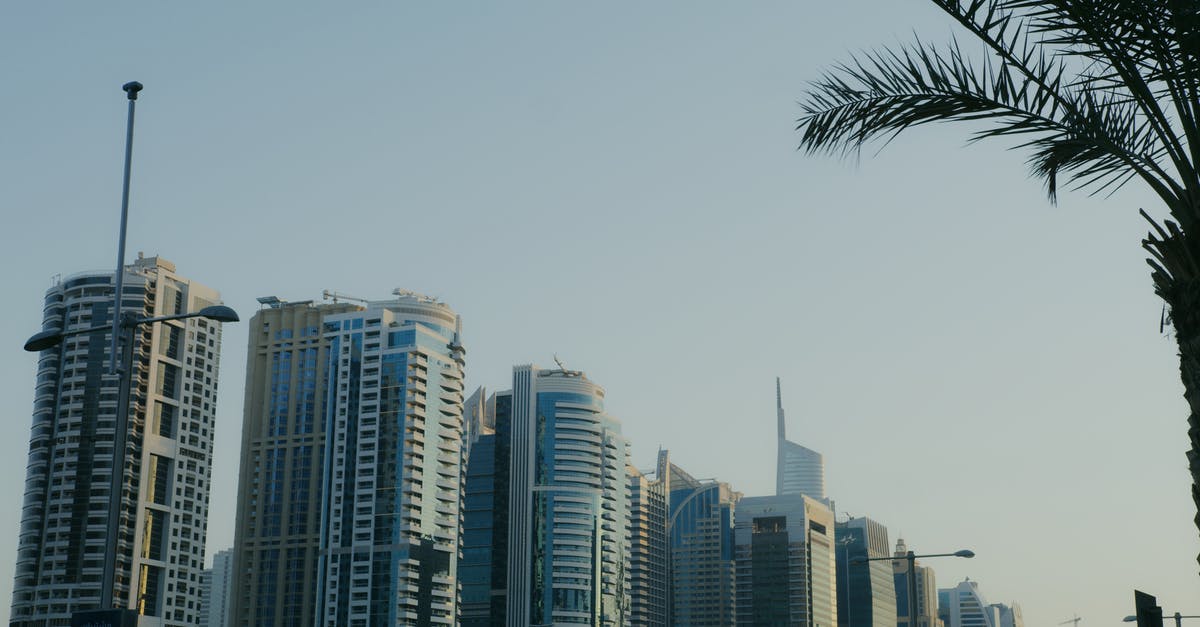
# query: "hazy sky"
{"type": "Point", "coordinates": [618, 183]}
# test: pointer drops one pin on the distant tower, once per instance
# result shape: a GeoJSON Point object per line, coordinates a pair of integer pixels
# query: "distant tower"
{"type": "Point", "coordinates": [785, 562]}
{"type": "Point", "coordinates": [649, 581]}
{"type": "Point", "coordinates": [216, 588]}
{"type": "Point", "coordinates": [798, 469]}
{"type": "Point", "coordinates": [483, 568]}
{"type": "Point", "coordinates": [965, 606]}
{"type": "Point", "coordinates": [701, 537]}
{"type": "Point", "coordinates": [866, 591]}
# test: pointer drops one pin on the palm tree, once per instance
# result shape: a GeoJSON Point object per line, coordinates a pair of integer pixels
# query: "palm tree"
{"type": "Point", "coordinates": [1099, 92]}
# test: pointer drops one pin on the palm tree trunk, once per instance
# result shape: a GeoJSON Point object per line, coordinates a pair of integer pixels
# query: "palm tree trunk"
{"type": "Point", "coordinates": [1183, 297]}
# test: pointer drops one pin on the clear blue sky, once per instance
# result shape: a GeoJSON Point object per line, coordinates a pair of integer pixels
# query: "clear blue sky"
{"type": "Point", "coordinates": [618, 183]}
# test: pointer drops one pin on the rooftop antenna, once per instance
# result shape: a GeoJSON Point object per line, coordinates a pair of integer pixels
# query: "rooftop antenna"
{"type": "Point", "coordinates": [559, 362]}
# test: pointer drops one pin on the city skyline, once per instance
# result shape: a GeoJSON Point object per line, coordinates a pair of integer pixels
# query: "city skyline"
{"type": "Point", "coordinates": [646, 173]}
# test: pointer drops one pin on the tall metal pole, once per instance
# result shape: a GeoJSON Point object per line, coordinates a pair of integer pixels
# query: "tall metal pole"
{"type": "Point", "coordinates": [116, 501]}
{"type": "Point", "coordinates": [131, 91]}
{"type": "Point", "coordinates": [912, 589]}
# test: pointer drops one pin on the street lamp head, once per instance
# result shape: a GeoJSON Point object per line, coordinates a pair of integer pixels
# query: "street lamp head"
{"type": "Point", "coordinates": [1129, 619]}
{"type": "Point", "coordinates": [131, 89]}
{"type": "Point", "coordinates": [43, 340]}
{"type": "Point", "coordinates": [964, 553]}
{"type": "Point", "coordinates": [220, 313]}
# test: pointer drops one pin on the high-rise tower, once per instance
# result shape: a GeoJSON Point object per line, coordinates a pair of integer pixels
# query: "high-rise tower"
{"type": "Point", "coordinates": [798, 469]}
{"type": "Point", "coordinates": [277, 533]}
{"type": "Point", "coordinates": [649, 555]}
{"type": "Point", "coordinates": [964, 606]}
{"type": "Point", "coordinates": [392, 470]}
{"type": "Point", "coordinates": [701, 537]}
{"type": "Point", "coordinates": [164, 503]}
{"type": "Point", "coordinates": [567, 546]}
{"type": "Point", "coordinates": [217, 588]}
{"type": "Point", "coordinates": [785, 561]}
{"type": "Point", "coordinates": [484, 566]}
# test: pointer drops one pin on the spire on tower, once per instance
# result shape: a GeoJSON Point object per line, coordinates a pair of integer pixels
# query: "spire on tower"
{"type": "Point", "coordinates": [779, 408]}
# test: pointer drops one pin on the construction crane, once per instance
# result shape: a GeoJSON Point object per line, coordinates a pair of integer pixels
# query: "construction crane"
{"type": "Point", "coordinates": [336, 296]}
{"type": "Point", "coordinates": [1074, 621]}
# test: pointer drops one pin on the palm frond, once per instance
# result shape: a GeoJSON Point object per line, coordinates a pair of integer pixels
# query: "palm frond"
{"type": "Point", "coordinates": [1099, 143]}
{"type": "Point", "coordinates": [1136, 44]}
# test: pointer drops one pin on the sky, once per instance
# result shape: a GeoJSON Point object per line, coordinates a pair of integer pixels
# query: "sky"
{"type": "Point", "coordinates": [618, 184]}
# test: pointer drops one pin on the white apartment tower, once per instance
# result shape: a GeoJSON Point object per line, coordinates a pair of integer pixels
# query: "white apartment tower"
{"type": "Point", "coordinates": [164, 504]}
{"type": "Point", "coordinates": [390, 523]}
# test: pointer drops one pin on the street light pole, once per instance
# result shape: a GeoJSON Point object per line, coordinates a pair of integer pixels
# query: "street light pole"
{"type": "Point", "coordinates": [912, 573]}
{"type": "Point", "coordinates": [912, 589]}
{"type": "Point", "coordinates": [127, 323]}
{"type": "Point", "coordinates": [131, 91]}
{"type": "Point", "coordinates": [846, 542]}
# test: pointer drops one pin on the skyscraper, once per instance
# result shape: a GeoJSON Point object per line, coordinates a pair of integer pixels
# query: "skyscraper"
{"type": "Point", "coordinates": [701, 538]}
{"type": "Point", "coordinates": [164, 504]}
{"type": "Point", "coordinates": [277, 532]}
{"type": "Point", "coordinates": [649, 575]}
{"type": "Point", "coordinates": [798, 469]}
{"type": "Point", "coordinates": [964, 606]}
{"type": "Point", "coordinates": [217, 588]}
{"type": "Point", "coordinates": [484, 567]}
{"type": "Point", "coordinates": [866, 591]}
{"type": "Point", "coordinates": [785, 562]}
{"type": "Point", "coordinates": [392, 469]}
{"type": "Point", "coordinates": [567, 544]}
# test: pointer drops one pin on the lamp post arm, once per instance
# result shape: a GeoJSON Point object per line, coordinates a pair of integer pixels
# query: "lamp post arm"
{"type": "Point", "coordinates": [140, 321]}
{"type": "Point", "coordinates": [44, 340]}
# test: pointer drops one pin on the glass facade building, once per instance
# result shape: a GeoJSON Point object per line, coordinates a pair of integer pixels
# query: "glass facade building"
{"type": "Point", "coordinates": [701, 539]}
{"type": "Point", "coordinates": [785, 562]}
{"type": "Point", "coordinates": [277, 530]}
{"type": "Point", "coordinates": [166, 466]}
{"type": "Point", "coordinates": [390, 519]}
{"type": "Point", "coordinates": [484, 566]}
{"type": "Point", "coordinates": [866, 591]}
{"type": "Point", "coordinates": [964, 606]}
{"type": "Point", "coordinates": [568, 544]}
